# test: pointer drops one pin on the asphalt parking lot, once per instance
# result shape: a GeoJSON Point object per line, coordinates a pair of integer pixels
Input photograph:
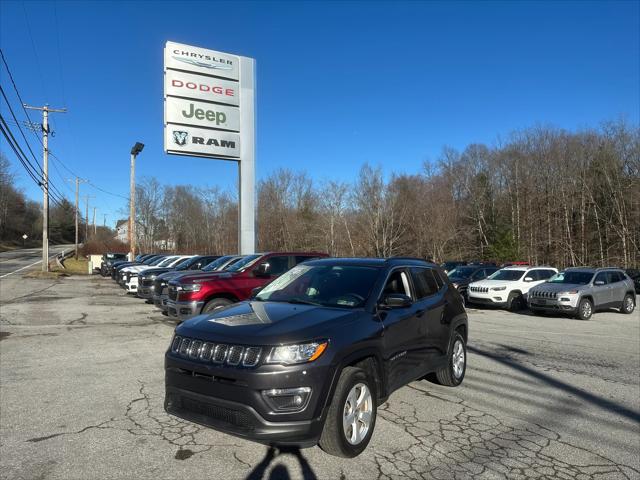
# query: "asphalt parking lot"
{"type": "Point", "coordinates": [81, 391]}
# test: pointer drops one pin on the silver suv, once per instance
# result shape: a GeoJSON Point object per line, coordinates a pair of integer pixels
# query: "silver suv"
{"type": "Point", "coordinates": [581, 291]}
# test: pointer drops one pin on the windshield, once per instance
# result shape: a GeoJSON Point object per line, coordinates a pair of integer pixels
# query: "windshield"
{"type": "Point", "coordinates": [186, 263]}
{"type": "Point", "coordinates": [508, 275]}
{"type": "Point", "coordinates": [151, 260]}
{"type": "Point", "coordinates": [217, 263]}
{"type": "Point", "coordinates": [243, 263]}
{"type": "Point", "coordinates": [462, 272]}
{"type": "Point", "coordinates": [329, 286]}
{"type": "Point", "coordinates": [575, 278]}
{"type": "Point", "coordinates": [169, 261]}
{"type": "Point", "coordinates": [158, 261]}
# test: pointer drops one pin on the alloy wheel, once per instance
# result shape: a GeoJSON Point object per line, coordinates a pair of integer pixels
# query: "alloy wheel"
{"type": "Point", "coordinates": [357, 413]}
{"type": "Point", "coordinates": [458, 359]}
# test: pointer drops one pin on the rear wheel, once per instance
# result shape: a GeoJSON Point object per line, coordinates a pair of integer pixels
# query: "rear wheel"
{"type": "Point", "coordinates": [453, 373]}
{"type": "Point", "coordinates": [585, 309]}
{"type": "Point", "coordinates": [215, 304]}
{"type": "Point", "coordinates": [352, 415]}
{"type": "Point", "coordinates": [628, 304]}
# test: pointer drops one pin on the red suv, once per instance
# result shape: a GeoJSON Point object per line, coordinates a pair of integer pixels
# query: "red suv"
{"type": "Point", "coordinates": [191, 295]}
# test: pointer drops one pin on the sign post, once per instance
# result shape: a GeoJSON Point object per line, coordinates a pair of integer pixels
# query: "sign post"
{"type": "Point", "coordinates": [209, 111]}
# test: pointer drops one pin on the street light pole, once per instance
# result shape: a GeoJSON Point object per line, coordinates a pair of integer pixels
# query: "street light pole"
{"type": "Point", "coordinates": [135, 150]}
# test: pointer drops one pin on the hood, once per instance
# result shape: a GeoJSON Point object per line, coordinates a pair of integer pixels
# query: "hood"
{"type": "Point", "coordinates": [460, 280]}
{"type": "Point", "coordinates": [559, 287]}
{"type": "Point", "coordinates": [168, 274]}
{"type": "Point", "coordinates": [267, 323]}
{"type": "Point", "coordinates": [205, 276]}
{"type": "Point", "coordinates": [491, 283]}
{"type": "Point", "coordinates": [155, 271]}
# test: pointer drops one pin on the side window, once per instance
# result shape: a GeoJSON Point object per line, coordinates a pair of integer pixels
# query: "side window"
{"type": "Point", "coordinates": [601, 277]}
{"type": "Point", "coordinates": [438, 278]}
{"type": "Point", "coordinates": [397, 283]}
{"type": "Point", "coordinates": [424, 282]}
{"type": "Point", "coordinates": [479, 275]}
{"type": "Point", "coordinates": [278, 265]}
{"type": "Point", "coordinates": [614, 277]}
{"type": "Point", "coordinates": [535, 274]}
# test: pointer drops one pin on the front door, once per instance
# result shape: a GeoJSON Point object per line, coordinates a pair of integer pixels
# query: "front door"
{"type": "Point", "coordinates": [601, 292]}
{"type": "Point", "coordinates": [402, 333]}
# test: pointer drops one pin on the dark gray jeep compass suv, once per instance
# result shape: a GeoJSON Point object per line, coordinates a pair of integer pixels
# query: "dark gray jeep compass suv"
{"type": "Point", "coordinates": [310, 357]}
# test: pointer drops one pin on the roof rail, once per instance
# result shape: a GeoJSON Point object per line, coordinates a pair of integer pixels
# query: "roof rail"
{"type": "Point", "coordinates": [400, 257]}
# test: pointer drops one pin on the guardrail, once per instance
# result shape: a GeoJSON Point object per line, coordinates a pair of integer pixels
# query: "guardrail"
{"type": "Point", "coordinates": [59, 258]}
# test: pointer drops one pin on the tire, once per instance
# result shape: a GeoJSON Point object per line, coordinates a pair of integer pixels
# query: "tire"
{"type": "Point", "coordinates": [514, 302]}
{"type": "Point", "coordinates": [628, 304]}
{"type": "Point", "coordinates": [453, 374]}
{"type": "Point", "coordinates": [585, 309]}
{"type": "Point", "coordinates": [215, 304]}
{"type": "Point", "coordinates": [334, 439]}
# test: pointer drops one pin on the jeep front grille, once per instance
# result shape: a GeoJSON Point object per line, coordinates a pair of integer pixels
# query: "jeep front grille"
{"type": "Point", "coordinates": [541, 294]}
{"type": "Point", "coordinates": [232, 355]}
{"type": "Point", "coordinates": [479, 289]}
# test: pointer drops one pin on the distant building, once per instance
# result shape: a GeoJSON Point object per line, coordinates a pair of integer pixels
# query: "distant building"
{"type": "Point", "coordinates": [122, 230]}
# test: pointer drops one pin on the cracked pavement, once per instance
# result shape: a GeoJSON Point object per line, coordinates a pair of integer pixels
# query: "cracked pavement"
{"type": "Point", "coordinates": [81, 393]}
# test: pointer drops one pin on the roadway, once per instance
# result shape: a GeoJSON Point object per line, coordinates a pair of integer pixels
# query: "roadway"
{"type": "Point", "coordinates": [20, 260]}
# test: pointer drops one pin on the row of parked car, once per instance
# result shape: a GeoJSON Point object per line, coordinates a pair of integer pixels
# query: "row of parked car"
{"type": "Point", "coordinates": [578, 291]}
{"type": "Point", "coordinates": [186, 285]}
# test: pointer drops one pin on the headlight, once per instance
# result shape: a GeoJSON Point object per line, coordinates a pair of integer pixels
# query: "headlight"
{"type": "Point", "coordinates": [193, 287]}
{"type": "Point", "coordinates": [498, 289]}
{"type": "Point", "coordinates": [291, 354]}
{"type": "Point", "coordinates": [569, 292]}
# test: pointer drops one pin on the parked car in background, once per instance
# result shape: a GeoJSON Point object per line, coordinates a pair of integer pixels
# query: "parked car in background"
{"type": "Point", "coordinates": [515, 264]}
{"type": "Point", "coordinates": [581, 291]}
{"type": "Point", "coordinates": [450, 265]}
{"type": "Point", "coordinates": [190, 295]}
{"type": "Point", "coordinates": [147, 277]}
{"type": "Point", "coordinates": [310, 358]}
{"type": "Point", "coordinates": [508, 287]}
{"type": "Point", "coordinates": [152, 261]}
{"type": "Point", "coordinates": [462, 276]}
{"type": "Point", "coordinates": [116, 263]}
{"type": "Point", "coordinates": [634, 274]}
{"type": "Point", "coordinates": [145, 259]}
{"type": "Point", "coordinates": [108, 259]}
{"type": "Point", "coordinates": [161, 283]}
{"type": "Point", "coordinates": [130, 274]}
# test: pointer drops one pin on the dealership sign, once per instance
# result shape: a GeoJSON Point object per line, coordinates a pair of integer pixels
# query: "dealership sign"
{"type": "Point", "coordinates": [209, 111]}
{"type": "Point", "coordinates": [205, 95]}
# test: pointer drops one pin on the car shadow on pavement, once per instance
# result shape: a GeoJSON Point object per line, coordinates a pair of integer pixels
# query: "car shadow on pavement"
{"type": "Point", "coordinates": [280, 471]}
{"type": "Point", "coordinates": [588, 397]}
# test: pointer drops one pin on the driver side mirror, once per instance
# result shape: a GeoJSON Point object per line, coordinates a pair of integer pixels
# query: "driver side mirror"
{"type": "Point", "coordinates": [528, 279]}
{"type": "Point", "coordinates": [262, 270]}
{"type": "Point", "coordinates": [396, 300]}
{"type": "Point", "coordinates": [599, 282]}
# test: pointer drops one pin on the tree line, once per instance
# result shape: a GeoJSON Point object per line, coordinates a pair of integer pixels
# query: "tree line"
{"type": "Point", "coordinates": [21, 216]}
{"type": "Point", "coordinates": [543, 195]}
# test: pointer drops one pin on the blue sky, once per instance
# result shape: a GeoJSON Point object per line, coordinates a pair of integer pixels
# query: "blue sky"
{"type": "Point", "coordinates": [339, 83]}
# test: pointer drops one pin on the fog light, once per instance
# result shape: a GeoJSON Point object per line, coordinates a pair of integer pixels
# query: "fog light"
{"type": "Point", "coordinates": [565, 299]}
{"type": "Point", "coordinates": [497, 299]}
{"type": "Point", "coordinates": [287, 399]}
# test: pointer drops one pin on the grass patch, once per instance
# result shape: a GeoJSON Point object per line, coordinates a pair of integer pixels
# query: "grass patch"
{"type": "Point", "coordinates": [45, 275]}
{"type": "Point", "coordinates": [76, 267]}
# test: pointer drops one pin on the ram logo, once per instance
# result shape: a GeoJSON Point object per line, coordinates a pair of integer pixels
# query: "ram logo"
{"type": "Point", "coordinates": [180, 137]}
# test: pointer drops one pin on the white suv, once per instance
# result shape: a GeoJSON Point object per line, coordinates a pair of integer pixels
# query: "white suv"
{"type": "Point", "coordinates": [509, 287]}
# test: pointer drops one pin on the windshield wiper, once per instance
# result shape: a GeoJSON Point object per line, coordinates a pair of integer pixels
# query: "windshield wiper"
{"type": "Point", "coordinates": [301, 301]}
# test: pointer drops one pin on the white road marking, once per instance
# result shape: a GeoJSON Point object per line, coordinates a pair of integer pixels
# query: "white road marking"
{"type": "Point", "coordinates": [22, 268]}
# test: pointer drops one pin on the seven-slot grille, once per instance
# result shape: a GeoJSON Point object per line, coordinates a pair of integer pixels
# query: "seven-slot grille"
{"type": "Point", "coordinates": [479, 289]}
{"type": "Point", "coordinates": [218, 353]}
{"type": "Point", "coordinates": [540, 294]}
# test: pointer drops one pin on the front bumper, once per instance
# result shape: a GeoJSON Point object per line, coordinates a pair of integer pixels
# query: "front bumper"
{"type": "Point", "coordinates": [132, 285]}
{"type": "Point", "coordinates": [160, 301]}
{"type": "Point", "coordinates": [145, 291]}
{"type": "Point", "coordinates": [229, 399]}
{"type": "Point", "coordinates": [183, 309]}
{"type": "Point", "coordinates": [498, 298]}
{"type": "Point", "coordinates": [561, 304]}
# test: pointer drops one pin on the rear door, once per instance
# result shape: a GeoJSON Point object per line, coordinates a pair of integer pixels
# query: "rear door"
{"type": "Point", "coordinates": [430, 298]}
{"type": "Point", "coordinates": [617, 287]}
{"type": "Point", "coordinates": [601, 293]}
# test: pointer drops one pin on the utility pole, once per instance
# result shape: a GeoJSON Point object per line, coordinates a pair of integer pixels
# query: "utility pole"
{"type": "Point", "coordinates": [86, 225]}
{"type": "Point", "coordinates": [78, 181]}
{"type": "Point", "coordinates": [135, 150]}
{"type": "Point", "coordinates": [104, 220]}
{"type": "Point", "coordinates": [95, 231]}
{"type": "Point", "coordinates": [45, 180]}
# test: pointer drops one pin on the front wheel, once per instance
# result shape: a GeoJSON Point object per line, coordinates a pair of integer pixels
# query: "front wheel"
{"type": "Point", "coordinates": [628, 304]}
{"type": "Point", "coordinates": [514, 302]}
{"type": "Point", "coordinates": [585, 309]}
{"type": "Point", "coordinates": [352, 415]}
{"type": "Point", "coordinates": [453, 374]}
{"type": "Point", "coordinates": [215, 304]}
